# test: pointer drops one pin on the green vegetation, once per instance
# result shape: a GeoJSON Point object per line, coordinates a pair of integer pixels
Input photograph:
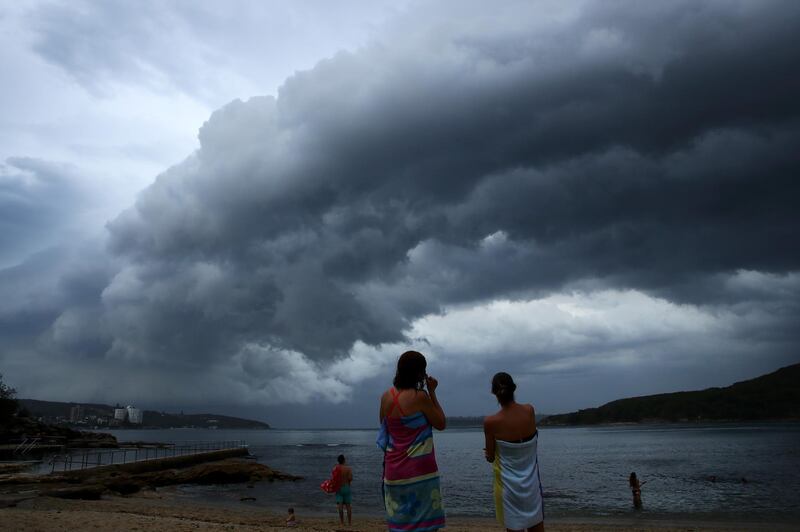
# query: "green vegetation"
{"type": "Point", "coordinates": [770, 397]}
{"type": "Point", "coordinates": [165, 420]}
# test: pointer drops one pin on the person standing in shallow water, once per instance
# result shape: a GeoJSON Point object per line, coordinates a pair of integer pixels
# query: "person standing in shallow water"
{"type": "Point", "coordinates": [344, 497]}
{"type": "Point", "coordinates": [408, 415]}
{"type": "Point", "coordinates": [511, 447]}
{"type": "Point", "coordinates": [636, 490]}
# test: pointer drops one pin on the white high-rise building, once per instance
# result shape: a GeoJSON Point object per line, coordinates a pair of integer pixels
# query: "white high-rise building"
{"type": "Point", "coordinates": [134, 415]}
{"type": "Point", "coordinates": [75, 413]}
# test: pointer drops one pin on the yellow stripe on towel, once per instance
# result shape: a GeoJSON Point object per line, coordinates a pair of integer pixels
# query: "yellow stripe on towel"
{"type": "Point", "coordinates": [498, 489]}
{"type": "Point", "coordinates": [420, 449]}
{"type": "Point", "coordinates": [411, 480]}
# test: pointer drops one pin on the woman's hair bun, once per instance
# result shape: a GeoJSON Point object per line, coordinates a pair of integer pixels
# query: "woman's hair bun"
{"type": "Point", "coordinates": [503, 387]}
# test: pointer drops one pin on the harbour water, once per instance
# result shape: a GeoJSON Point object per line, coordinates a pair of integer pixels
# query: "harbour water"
{"type": "Point", "coordinates": [730, 471]}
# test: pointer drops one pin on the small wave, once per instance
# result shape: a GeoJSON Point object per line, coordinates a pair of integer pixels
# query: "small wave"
{"type": "Point", "coordinates": [714, 479]}
{"type": "Point", "coordinates": [558, 495]}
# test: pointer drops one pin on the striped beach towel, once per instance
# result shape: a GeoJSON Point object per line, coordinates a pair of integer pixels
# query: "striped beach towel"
{"type": "Point", "coordinates": [412, 496]}
{"type": "Point", "coordinates": [517, 487]}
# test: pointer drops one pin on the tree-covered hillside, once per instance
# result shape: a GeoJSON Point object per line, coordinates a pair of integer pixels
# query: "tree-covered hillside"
{"type": "Point", "coordinates": [769, 397]}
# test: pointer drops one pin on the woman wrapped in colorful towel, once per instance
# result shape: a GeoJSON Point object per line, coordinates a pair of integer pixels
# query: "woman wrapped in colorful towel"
{"type": "Point", "coordinates": [412, 496]}
{"type": "Point", "coordinates": [511, 443]}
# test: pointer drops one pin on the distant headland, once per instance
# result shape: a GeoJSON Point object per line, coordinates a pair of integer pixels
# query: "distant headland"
{"type": "Point", "coordinates": [100, 416]}
{"type": "Point", "coordinates": [771, 397]}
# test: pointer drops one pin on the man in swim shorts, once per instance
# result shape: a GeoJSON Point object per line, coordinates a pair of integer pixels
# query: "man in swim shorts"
{"type": "Point", "coordinates": [343, 497]}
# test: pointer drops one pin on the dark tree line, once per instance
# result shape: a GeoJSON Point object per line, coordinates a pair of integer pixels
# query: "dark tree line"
{"type": "Point", "coordinates": [8, 403]}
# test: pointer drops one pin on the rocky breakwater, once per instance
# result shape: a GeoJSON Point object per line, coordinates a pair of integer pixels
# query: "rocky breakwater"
{"type": "Point", "coordinates": [127, 479]}
{"type": "Point", "coordinates": [229, 471]}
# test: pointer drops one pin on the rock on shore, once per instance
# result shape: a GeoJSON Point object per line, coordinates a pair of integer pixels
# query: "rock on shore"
{"type": "Point", "coordinates": [229, 471]}
{"type": "Point", "coordinates": [114, 480]}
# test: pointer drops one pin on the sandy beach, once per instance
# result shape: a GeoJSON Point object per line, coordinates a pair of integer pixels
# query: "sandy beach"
{"type": "Point", "coordinates": [162, 511]}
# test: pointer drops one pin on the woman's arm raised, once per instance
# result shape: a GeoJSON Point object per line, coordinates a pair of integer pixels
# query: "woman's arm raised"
{"type": "Point", "coordinates": [431, 407]}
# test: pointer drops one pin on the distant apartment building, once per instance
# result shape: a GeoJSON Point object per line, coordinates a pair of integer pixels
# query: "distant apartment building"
{"type": "Point", "coordinates": [134, 415]}
{"type": "Point", "coordinates": [120, 414]}
{"type": "Point", "coordinates": [75, 413]}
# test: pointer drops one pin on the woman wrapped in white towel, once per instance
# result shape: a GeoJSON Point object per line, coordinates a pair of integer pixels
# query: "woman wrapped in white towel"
{"type": "Point", "coordinates": [511, 443]}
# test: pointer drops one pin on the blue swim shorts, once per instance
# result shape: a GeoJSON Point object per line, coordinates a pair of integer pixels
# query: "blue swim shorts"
{"type": "Point", "coordinates": [343, 496]}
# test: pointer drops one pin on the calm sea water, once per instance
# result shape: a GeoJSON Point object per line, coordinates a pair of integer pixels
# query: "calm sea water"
{"type": "Point", "coordinates": [584, 471]}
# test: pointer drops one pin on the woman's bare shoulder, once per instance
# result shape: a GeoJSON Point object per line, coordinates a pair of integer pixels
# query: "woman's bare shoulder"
{"type": "Point", "coordinates": [387, 391]}
{"type": "Point", "coordinates": [419, 399]}
{"type": "Point", "coordinates": [492, 419]}
{"type": "Point", "coordinates": [386, 397]}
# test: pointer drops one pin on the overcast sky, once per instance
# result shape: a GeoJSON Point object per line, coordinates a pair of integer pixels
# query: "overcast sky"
{"type": "Point", "coordinates": [253, 208]}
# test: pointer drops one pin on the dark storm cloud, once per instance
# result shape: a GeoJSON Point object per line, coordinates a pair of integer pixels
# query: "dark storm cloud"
{"type": "Point", "coordinates": [659, 223]}
{"type": "Point", "coordinates": [37, 198]}
{"type": "Point", "coordinates": [647, 152]}
{"type": "Point", "coordinates": [465, 160]}
{"type": "Point", "coordinates": [45, 296]}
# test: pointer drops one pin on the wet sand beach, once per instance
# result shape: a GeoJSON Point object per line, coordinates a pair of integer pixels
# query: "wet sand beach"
{"type": "Point", "coordinates": [159, 511]}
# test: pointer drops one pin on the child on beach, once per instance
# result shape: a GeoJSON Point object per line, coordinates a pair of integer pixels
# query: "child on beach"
{"type": "Point", "coordinates": [290, 519]}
